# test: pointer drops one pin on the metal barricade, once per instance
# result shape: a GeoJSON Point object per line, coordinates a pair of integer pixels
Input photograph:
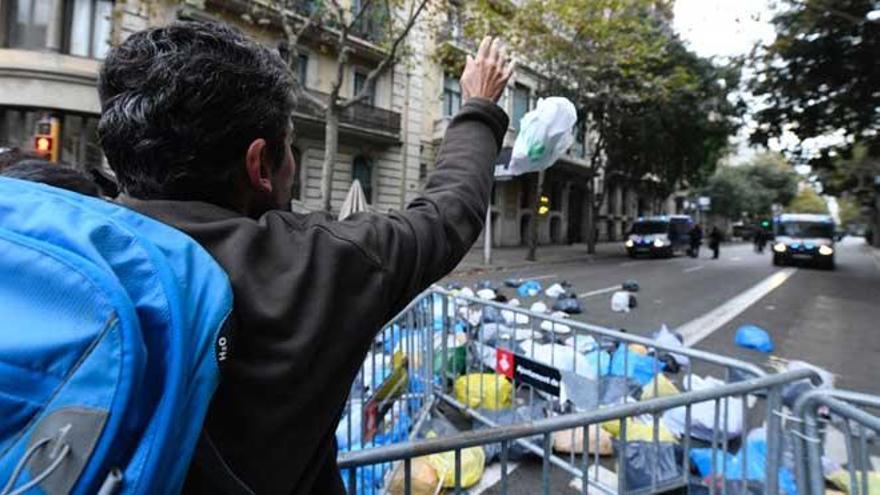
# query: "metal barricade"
{"type": "Point", "coordinates": [821, 413]}
{"type": "Point", "coordinates": [440, 337]}
{"type": "Point", "coordinates": [769, 386]}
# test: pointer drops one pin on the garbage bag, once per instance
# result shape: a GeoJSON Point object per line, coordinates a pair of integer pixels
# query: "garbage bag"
{"type": "Point", "coordinates": [539, 307]}
{"type": "Point", "coordinates": [530, 288]}
{"type": "Point", "coordinates": [637, 431]}
{"type": "Point", "coordinates": [545, 134]}
{"type": "Point", "coordinates": [514, 303]}
{"type": "Point", "coordinates": [666, 338]}
{"type": "Point", "coordinates": [639, 349]}
{"type": "Point", "coordinates": [562, 315]}
{"type": "Point", "coordinates": [630, 286]}
{"type": "Point", "coordinates": [617, 389]}
{"type": "Point", "coordinates": [841, 481]}
{"type": "Point", "coordinates": [491, 315]}
{"type": "Point", "coordinates": [598, 363]}
{"type": "Point", "coordinates": [791, 391]}
{"type": "Point", "coordinates": [484, 390]}
{"type": "Point", "coordinates": [473, 462]}
{"type": "Point", "coordinates": [466, 292]}
{"type": "Point", "coordinates": [664, 387]}
{"type": "Point", "coordinates": [558, 356]}
{"type": "Point", "coordinates": [555, 291]}
{"type": "Point", "coordinates": [620, 302]}
{"type": "Point", "coordinates": [625, 362]}
{"type": "Point", "coordinates": [487, 294]}
{"type": "Point", "coordinates": [599, 441]}
{"type": "Point", "coordinates": [582, 343]}
{"type": "Point", "coordinates": [515, 416]}
{"type": "Point", "coordinates": [513, 282]}
{"type": "Point", "coordinates": [557, 328]}
{"type": "Point", "coordinates": [644, 460]}
{"type": "Point", "coordinates": [753, 337]}
{"type": "Point", "coordinates": [703, 414]}
{"type": "Point", "coordinates": [484, 284]}
{"type": "Point", "coordinates": [423, 478]}
{"type": "Point", "coordinates": [755, 452]}
{"type": "Point", "coordinates": [569, 305]}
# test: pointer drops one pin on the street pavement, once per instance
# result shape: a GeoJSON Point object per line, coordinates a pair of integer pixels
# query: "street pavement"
{"type": "Point", "coordinates": [827, 318]}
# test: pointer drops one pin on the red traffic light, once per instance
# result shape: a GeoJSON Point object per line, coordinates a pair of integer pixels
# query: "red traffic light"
{"type": "Point", "coordinates": [43, 144]}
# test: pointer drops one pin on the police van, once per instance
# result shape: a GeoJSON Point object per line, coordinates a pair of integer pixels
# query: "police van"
{"type": "Point", "coordinates": [660, 236]}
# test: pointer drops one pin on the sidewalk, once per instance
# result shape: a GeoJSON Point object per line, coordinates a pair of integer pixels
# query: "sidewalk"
{"type": "Point", "coordinates": [506, 258]}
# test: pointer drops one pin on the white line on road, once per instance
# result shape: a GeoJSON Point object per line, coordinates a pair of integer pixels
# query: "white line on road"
{"type": "Point", "coordinates": [600, 291]}
{"type": "Point", "coordinates": [694, 268]}
{"type": "Point", "coordinates": [703, 326]}
{"type": "Point", "coordinates": [736, 258]}
{"type": "Point", "coordinates": [630, 263]}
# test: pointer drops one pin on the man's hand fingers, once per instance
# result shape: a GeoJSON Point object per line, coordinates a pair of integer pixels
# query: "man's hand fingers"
{"type": "Point", "coordinates": [483, 52]}
{"type": "Point", "coordinates": [493, 50]}
{"type": "Point", "coordinates": [501, 55]}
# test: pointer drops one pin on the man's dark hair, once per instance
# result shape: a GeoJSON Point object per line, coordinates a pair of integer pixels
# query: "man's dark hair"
{"type": "Point", "coordinates": [182, 103]}
{"type": "Point", "coordinates": [63, 176]}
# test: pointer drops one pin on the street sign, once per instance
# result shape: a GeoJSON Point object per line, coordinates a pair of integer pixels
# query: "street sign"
{"type": "Point", "coordinates": [705, 203]}
{"type": "Point", "coordinates": [525, 370]}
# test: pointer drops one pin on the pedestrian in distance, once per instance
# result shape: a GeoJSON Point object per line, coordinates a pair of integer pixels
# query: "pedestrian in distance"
{"type": "Point", "coordinates": [696, 239]}
{"type": "Point", "coordinates": [760, 240]}
{"type": "Point", "coordinates": [195, 123]}
{"type": "Point", "coordinates": [715, 238]}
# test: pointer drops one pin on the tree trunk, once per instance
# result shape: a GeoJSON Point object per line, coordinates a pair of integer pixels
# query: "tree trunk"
{"type": "Point", "coordinates": [591, 217]}
{"type": "Point", "coordinates": [533, 224]}
{"type": "Point", "coordinates": [331, 142]}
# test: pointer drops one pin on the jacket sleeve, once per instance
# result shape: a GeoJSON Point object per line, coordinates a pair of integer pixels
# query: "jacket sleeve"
{"type": "Point", "coordinates": [425, 241]}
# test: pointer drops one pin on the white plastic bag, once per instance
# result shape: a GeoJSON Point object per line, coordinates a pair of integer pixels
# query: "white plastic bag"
{"type": "Point", "coordinates": [487, 294]}
{"type": "Point", "coordinates": [620, 302]}
{"type": "Point", "coordinates": [703, 414]}
{"type": "Point", "coordinates": [558, 356]}
{"type": "Point", "coordinates": [554, 291]}
{"type": "Point", "coordinates": [539, 307]}
{"type": "Point", "coordinates": [666, 338]}
{"type": "Point", "coordinates": [545, 134]}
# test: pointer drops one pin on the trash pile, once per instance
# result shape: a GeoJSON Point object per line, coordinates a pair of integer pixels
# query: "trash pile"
{"type": "Point", "coordinates": [505, 368]}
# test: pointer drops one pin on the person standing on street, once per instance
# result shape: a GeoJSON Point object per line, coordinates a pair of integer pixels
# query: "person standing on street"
{"type": "Point", "coordinates": [696, 238]}
{"type": "Point", "coordinates": [195, 123]}
{"type": "Point", "coordinates": [715, 242]}
{"type": "Point", "coordinates": [760, 240]}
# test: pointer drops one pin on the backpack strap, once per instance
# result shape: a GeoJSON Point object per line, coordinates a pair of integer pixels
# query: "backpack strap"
{"type": "Point", "coordinates": [208, 459]}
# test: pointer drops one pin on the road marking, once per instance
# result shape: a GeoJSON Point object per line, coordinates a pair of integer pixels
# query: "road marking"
{"type": "Point", "coordinates": [703, 326]}
{"type": "Point", "coordinates": [694, 268]}
{"type": "Point", "coordinates": [601, 291]}
{"type": "Point", "coordinates": [736, 258]}
{"type": "Point", "coordinates": [491, 477]}
{"type": "Point", "coordinates": [630, 263]}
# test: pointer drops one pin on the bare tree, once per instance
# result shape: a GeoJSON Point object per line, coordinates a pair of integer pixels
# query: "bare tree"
{"type": "Point", "coordinates": [338, 23]}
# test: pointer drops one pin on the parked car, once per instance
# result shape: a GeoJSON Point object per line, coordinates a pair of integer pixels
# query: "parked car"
{"type": "Point", "coordinates": [659, 236]}
{"type": "Point", "coordinates": [804, 238]}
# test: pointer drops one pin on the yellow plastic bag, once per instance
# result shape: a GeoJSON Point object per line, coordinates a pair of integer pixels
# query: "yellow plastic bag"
{"type": "Point", "coordinates": [566, 442]}
{"type": "Point", "coordinates": [424, 480]}
{"type": "Point", "coordinates": [637, 431]}
{"type": "Point", "coordinates": [840, 480]}
{"type": "Point", "coordinates": [484, 390]}
{"type": "Point", "coordinates": [473, 461]}
{"type": "Point", "coordinates": [639, 349]}
{"type": "Point", "coordinates": [664, 387]}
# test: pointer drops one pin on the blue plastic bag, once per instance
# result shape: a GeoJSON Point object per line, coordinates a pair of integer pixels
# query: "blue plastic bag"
{"type": "Point", "coordinates": [753, 337]}
{"type": "Point", "coordinates": [529, 289]}
{"type": "Point", "coordinates": [567, 304]}
{"type": "Point", "coordinates": [631, 364]}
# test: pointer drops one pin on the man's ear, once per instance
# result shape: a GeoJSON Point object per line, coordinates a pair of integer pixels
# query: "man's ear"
{"type": "Point", "coordinates": [258, 168]}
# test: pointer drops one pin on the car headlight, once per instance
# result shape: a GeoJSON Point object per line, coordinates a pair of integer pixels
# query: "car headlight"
{"type": "Point", "coordinates": [629, 243]}
{"type": "Point", "coordinates": [658, 243]}
{"type": "Point", "coordinates": [826, 250]}
{"type": "Point", "coordinates": [779, 247]}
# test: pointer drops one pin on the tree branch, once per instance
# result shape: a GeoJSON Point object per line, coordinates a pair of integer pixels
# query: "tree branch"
{"type": "Point", "coordinates": [292, 37]}
{"type": "Point", "coordinates": [357, 15]}
{"type": "Point", "coordinates": [342, 56]}
{"type": "Point", "coordinates": [389, 59]}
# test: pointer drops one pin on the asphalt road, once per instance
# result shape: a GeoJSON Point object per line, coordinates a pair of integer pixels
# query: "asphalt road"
{"type": "Point", "coordinates": [827, 318]}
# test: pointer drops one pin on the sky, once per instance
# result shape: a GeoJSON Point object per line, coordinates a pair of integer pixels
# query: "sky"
{"type": "Point", "coordinates": [725, 28]}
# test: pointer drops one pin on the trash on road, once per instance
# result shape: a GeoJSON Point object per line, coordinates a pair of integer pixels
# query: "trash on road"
{"type": "Point", "coordinates": [637, 431]}
{"type": "Point", "coordinates": [487, 294]}
{"type": "Point", "coordinates": [645, 461]}
{"type": "Point", "coordinates": [666, 338]}
{"type": "Point", "coordinates": [530, 288]}
{"type": "Point", "coordinates": [558, 328]}
{"type": "Point", "coordinates": [424, 479]}
{"type": "Point", "coordinates": [625, 362]}
{"type": "Point", "coordinates": [568, 303]}
{"type": "Point", "coordinates": [568, 441]}
{"type": "Point", "coordinates": [484, 390]}
{"type": "Point", "coordinates": [703, 413]}
{"type": "Point", "coordinates": [555, 291]}
{"type": "Point", "coordinates": [664, 388]}
{"type": "Point", "coordinates": [473, 462]}
{"type": "Point", "coordinates": [754, 337]}
{"type": "Point", "coordinates": [539, 307]}
{"type": "Point", "coordinates": [620, 301]}
{"type": "Point", "coordinates": [630, 286]}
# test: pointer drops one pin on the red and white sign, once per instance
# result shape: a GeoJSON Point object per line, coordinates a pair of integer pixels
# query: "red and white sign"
{"type": "Point", "coordinates": [505, 362]}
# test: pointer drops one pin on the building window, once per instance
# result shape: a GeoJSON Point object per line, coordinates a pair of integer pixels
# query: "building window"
{"type": "Point", "coordinates": [360, 80]}
{"type": "Point", "coordinates": [302, 69]}
{"type": "Point", "coordinates": [28, 24]}
{"type": "Point", "coordinates": [84, 30]}
{"type": "Point", "coordinates": [298, 172]}
{"type": "Point", "coordinates": [451, 96]}
{"type": "Point", "coordinates": [521, 102]}
{"type": "Point", "coordinates": [362, 171]}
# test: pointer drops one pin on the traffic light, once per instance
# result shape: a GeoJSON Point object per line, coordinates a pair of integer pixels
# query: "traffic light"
{"type": "Point", "coordinates": [46, 138]}
{"type": "Point", "coordinates": [543, 206]}
{"type": "Point", "coordinates": [765, 224]}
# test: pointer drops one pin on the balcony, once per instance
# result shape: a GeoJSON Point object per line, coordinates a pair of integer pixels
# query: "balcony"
{"type": "Point", "coordinates": [360, 119]}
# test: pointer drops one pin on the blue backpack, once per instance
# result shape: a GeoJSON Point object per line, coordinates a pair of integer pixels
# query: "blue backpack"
{"type": "Point", "coordinates": [112, 328]}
